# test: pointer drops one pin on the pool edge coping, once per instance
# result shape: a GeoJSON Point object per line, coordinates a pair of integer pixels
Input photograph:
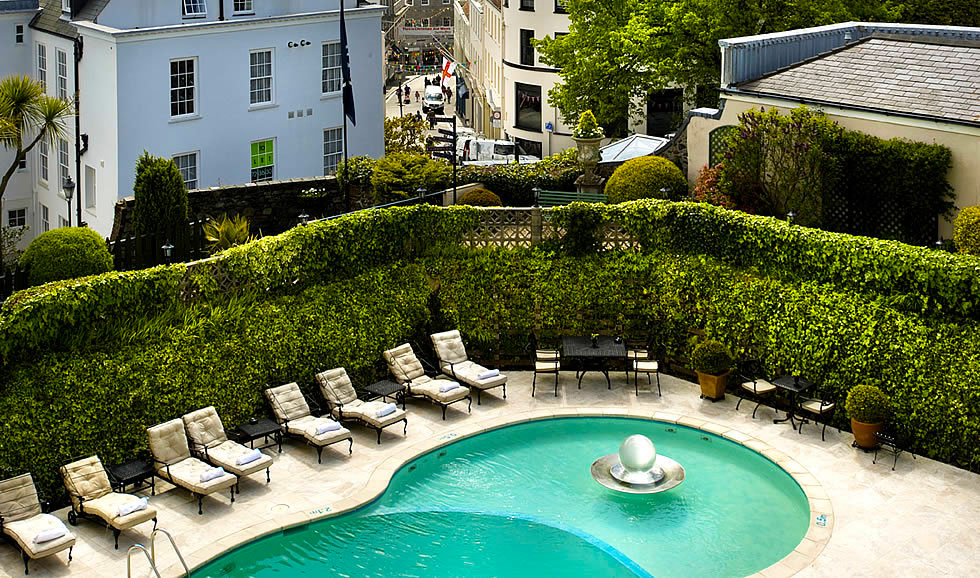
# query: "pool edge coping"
{"type": "Point", "coordinates": [803, 555]}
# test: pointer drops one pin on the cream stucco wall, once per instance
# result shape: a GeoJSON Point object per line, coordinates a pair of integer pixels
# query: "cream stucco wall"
{"type": "Point", "coordinates": [963, 141]}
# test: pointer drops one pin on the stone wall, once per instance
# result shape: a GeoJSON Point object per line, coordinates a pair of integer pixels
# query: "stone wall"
{"type": "Point", "coordinates": [271, 207]}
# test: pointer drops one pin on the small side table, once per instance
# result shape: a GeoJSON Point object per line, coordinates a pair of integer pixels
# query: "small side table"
{"type": "Point", "coordinates": [134, 472]}
{"type": "Point", "coordinates": [262, 428]}
{"type": "Point", "coordinates": [385, 389]}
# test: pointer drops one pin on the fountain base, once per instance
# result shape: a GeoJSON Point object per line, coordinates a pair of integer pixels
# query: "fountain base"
{"type": "Point", "coordinates": [664, 475]}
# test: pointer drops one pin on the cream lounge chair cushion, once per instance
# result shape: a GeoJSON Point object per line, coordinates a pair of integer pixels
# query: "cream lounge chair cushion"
{"type": "Point", "coordinates": [204, 428]}
{"type": "Point", "coordinates": [469, 372]}
{"type": "Point", "coordinates": [816, 406]}
{"type": "Point", "coordinates": [107, 508]}
{"type": "Point", "coordinates": [187, 474]}
{"type": "Point", "coordinates": [403, 363]}
{"type": "Point", "coordinates": [336, 386]}
{"type": "Point", "coordinates": [24, 532]}
{"type": "Point", "coordinates": [546, 366]}
{"type": "Point", "coordinates": [287, 402]}
{"type": "Point", "coordinates": [87, 479]}
{"type": "Point", "coordinates": [449, 347]}
{"type": "Point", "coordinates": [23, 520]}
{"type": "Point", "coordinates": [168, 442]}
{"type": "Point", "coordinates": [368, 411]}
{"type": "Point", "coordinates": [547, 354]}
{"type": "Point", "coordinates": [761, 386]}
{"type": "Point", "coordinates": [429, 387]}
{"type": "Point", "coordinates": [227, 453]}
{"type": "Point", "coordinates": [306, 427]}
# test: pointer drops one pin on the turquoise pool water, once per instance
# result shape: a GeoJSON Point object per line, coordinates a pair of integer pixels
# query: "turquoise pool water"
{"type": "Point", "coordinates": [520, 501]}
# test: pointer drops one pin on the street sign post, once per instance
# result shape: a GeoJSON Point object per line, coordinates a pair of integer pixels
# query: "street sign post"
{"type": "Point", "coordinates": [448, 150]}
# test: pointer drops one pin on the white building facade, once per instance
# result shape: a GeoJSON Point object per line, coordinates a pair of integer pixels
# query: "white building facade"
{"type": "Point", "coordinates": [235, 91]}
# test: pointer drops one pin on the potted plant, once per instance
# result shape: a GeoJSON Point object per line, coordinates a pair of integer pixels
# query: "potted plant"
{"type": "Point", "coordinates": [712, 362]}
{"type": "Point", "coordinates": [868, 407]}
{"type": "Point", "coordinates": [588, 136]}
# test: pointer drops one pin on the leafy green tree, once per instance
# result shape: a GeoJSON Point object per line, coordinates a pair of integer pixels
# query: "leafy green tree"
{"type": "Point", "coordinates": [161, 197]}
{"type": "Point", "coordinates": [405, 134]}
{"type": "Point", "coordinates": [398, 176]}
{"type": "Point", "coordinates": [28, 116]}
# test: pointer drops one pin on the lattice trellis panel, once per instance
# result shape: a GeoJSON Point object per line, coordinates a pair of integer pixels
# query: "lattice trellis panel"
{"type": "Point", "coordinates": [225, 284]}
{"type": "Point", "coordinates": [614, 236]}
{"type": "Point", "coordinates": [508, 228]}
{"type": "Point", "coordinates": [717, 145]}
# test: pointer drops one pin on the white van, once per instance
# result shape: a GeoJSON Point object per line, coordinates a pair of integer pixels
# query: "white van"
{"type": "Point", "coordinates": [434, 100]}
{"type": "Point", "coordinates": [471, 150]}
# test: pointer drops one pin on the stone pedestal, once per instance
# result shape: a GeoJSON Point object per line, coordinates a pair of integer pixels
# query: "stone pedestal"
{"type": "Point", "coordinates": [592, 184]}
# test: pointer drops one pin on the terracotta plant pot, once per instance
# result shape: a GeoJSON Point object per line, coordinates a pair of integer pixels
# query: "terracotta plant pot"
{"type": "Point", "coordinates": [713, 386]}
{"type": "Point", "coordinates": [865, 434]}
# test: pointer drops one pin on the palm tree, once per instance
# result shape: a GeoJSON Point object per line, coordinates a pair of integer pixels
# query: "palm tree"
{"type": "Point", "coordinates": [28, 115]}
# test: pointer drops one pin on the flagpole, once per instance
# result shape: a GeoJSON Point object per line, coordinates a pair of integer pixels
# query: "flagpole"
{"type": "Point", "coordinates": [343, 56]}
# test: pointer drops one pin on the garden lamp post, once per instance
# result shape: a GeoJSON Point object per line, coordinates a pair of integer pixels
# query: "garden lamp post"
{"type": "Point", "coordinates": [789, 217]}
{"type": "Point", "coordinates": [303, 218]}
{"type": "Point", "coordinates": [537, 193]}
{"type": "Point", "coordinates": [168, 252]}
{"type": "Point", "coordinates": [421, 193]}
{"type": "Point", "coordinates": [941, 244]}
{"type": "Point", "coordinates": [69, 187]}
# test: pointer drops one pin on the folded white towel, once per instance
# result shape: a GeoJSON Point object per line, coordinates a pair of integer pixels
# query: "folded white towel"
{"type": "Point", "coordinates": [50, 534]}
{"type": "Point", "coordinates": [326, 425]}
{"type": "Point", "coordinates": [134, 506]}
{"type": "Point", "coordinates": [448, 386]}
{"type": "Point", "coordinates": [211, 474]}
{"type": "Point", "coordinates": [387, 409]}
{"type": "Point", "coordinates": [488, 374]}
{"type": "Point", "coordinates": [248, 458]}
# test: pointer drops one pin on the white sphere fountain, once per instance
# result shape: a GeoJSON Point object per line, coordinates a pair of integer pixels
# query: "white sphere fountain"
{"type": "Point", "coordinates": [637, 469]}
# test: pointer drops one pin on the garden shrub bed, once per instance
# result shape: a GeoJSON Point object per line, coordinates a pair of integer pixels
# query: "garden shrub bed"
{"type": "Point", "coordinates": [89, 363]}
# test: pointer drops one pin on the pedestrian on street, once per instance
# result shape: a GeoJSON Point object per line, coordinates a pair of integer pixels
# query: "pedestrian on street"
{"type": "Point", "coordinates": [449, 95]}
{"type": "Point", "coordinates": [417, 97]}
{"type": "Point", "coordinates": [432, 119]}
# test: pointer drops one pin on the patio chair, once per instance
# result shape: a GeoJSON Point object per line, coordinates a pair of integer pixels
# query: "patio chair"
{"type": "Point", "coordinates": [545, 361]}
{"type": "Point", "coordinates": [752, 379]}
{"type": "Point", "coordinates": [293, 414]}
{"type": "Point", "coordinates": [454, 362]}
{"type": "Point", "coordinates": [209, 443]}
{"type": "Point", "coordinates": [818, 408]}
{"type": "Point", "coordinates": [34, 533]}
{"type": "Point", "coordinates": [339, 392]}
{"type": "Point", "coordinates": [92, 496]}
{"type": "Point", "coordinates": [409, 371]}
{"type": "Point", "coordinates": [639, 360]}
{"type": "Point", "coordinates": [173, 462]}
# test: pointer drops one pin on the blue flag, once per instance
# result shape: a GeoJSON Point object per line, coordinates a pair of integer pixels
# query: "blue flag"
{"type": "Point", "coordinates": [345, 70]}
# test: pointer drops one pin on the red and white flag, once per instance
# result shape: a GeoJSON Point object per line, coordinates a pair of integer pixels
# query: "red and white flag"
{"type": "Point", "coordinates": [448, 70]}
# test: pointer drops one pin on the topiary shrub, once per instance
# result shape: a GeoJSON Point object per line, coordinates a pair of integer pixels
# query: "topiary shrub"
{"type": "Point", "coordinates": [646, 178]}
{"type": "Point", "coordinates": [161, 197]}
{"type": "Point", "coordinates": [398, 176]}
{"type": "Point", "coordinates": [867, 404]}
{"type": "Point", "coordinates": [66, 253]}
{"type": "Point", "coordinates": [480, 198]}
{"type": "Point", "coordinates": [712, 357]}
{"type": "Point", "coordinates": [587, 127]}
{"type": "Point", "coordinates": [966, 231]}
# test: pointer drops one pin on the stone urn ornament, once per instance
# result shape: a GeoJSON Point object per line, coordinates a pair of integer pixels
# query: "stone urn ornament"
{"type": "Point", "coordinates": [588, 136]}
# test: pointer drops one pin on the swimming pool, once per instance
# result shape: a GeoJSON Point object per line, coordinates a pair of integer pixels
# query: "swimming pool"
{"type": "Point", "coordinates": [520, 501]}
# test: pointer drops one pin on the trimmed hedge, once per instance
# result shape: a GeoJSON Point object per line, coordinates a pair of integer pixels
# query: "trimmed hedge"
{"type": "Point", "coordinates": [966, 231]}
{"type": "Point", "coordinates": [66, 253]}
{"type": "Point", "coordinates": [61, 405]}
{"type": "Point", "coordinates": [646, 178]}
{"type": "Point", "coordinates": [929, 368]}
{"type": "Point", "coordinates": [912, 278]}
{"type": "Point", "coordinates": [514, 183]}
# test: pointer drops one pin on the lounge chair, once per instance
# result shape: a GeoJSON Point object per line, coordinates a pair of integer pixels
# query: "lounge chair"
{"type": "Point", "coordinates": [345, 406]}
{"type": "Point", "coordinates": [408, 371]}
{"type": "Point", "coordinates": [454, 363]}
{"type": "Point", "coordinates": [173, 462]}
{"type": "Point", "coordinates": [22, 522]}
{"type": "Point", "coordinates": [209, 443]}
{"type": "Point", "coordinates": [92, 497]}
{"type": "Point", "coordinates": [293, 415]}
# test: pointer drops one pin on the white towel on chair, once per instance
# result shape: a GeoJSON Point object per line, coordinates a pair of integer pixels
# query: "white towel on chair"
{"type": "Point", "coordinates": [248, 458]}
{"type": "Point", "coordinates": [327, 425]}
{"type": "Point", "coordinates": [488, 374]}
{"type": "Point", "coordinates": [127, 509]}
{"type": "Point", "coordinates": [387, 409]}
{"type": "Point", "coordinates": [448, 386]}
{"type": "Point", "coordinates": [50, 534]}
{"type": "Point", "coordinates": [212, 474]}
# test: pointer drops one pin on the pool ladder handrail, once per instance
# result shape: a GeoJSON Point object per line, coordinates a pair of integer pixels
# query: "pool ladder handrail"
{"type": "Point", "coordinates": [151, 556]}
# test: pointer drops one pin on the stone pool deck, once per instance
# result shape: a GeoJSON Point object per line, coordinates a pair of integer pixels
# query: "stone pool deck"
{"type": "Point", "coordinates": [920, 520]}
